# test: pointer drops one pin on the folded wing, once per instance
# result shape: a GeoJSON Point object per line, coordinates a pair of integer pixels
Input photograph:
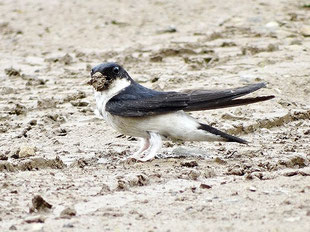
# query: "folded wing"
{"type": "Point", "coordinates": [138, 101]}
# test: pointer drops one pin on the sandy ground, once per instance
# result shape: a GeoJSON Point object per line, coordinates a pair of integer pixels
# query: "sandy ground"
{"type": "Point", "coordinates": [52, 145]}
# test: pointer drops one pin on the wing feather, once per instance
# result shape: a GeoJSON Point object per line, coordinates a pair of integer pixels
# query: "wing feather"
{"type": "Point", "coordinates": [137, 101]}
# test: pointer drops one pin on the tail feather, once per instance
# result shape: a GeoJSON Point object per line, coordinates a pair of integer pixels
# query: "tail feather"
{"type": "Point", "coordinates": [214, 99]}
{"type": "Point", "coordinates": [228, 103]}
{"type": "Point", "coordinates": [229, 138]}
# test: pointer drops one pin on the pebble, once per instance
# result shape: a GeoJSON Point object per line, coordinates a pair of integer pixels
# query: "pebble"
{"type": "Point", "coordinates": [169, 29]}
{"type": "Point", "coordinates": [138, 180]}
{"type": "Point", "coordinates": [39, 204]}
{"type": "Point", "coordinates": [305, 30]}
{"type": "Point", "coordinates": [122, 185]}
{"type": "Point", "coordinates": [193, 174]}
{"type": "Point", "coordinates": [12, 227]}
{"type": "Point", "coordinates": [105, 189]}
{"type": "Point", "coordinates": [272, 25]}
{"type": "Point", "coordinates": [33, 122]}
{"type": "Point", "coordinates": [26, 151]}
{"type": "Point", "coordinates": [205, 186]}
{"type": "Point", "coordinates": [238, 171]}
{"type": "Point", "coordinates": [3, 157]}
{"type": "Point", "coordinates": [69, 225]}
{"type": "Point", "coordinates": [66, 59]}
{"type": "Point", "coordinates": [219, 160]}
{"type": "Point", "coordinates": [299, 160]}
{"type": "Point", "coordinates": [68, 213]}
{"type": "Point", "coordinates": [35, 219]}
{"type": "Point", "coordinates": [12, 72]}
{"type": "Point", "coordinates": [189, 164]}
{"type": "Point", "coordinates": [80, 103]}
{"type": "Point", "coordinates": [296, 42]}
{"type": "Point", "coordinates": [37, 227]}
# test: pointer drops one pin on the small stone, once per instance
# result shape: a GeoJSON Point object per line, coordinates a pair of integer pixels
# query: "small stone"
{"type": "Point", "coordinates": [69, 225]}
{"type": "Point", "coordinates": [12, 227]}
{"type": "Point", "coordinates": [252, 189]}
{"type": "Point", "coordinates": [272, 47]}
{"type": "Point", "coordinates": [66, 59]}
{"type": "Point", "coordinates": [272, 25]}
{"type": "Point", "coordinates": [169, 29]}
{"type": "Point", "coordinates": [60, 131]}
{"type": "Point", "coordinates": [37, 227]}
{"type": "Point", "coordinates": [104, 190]}
{"type": "Point", "coordinates": [290, 173]}
{"type": "Point", "coordinates": [12, 72]}
{"type": "Point", "coordinates": [236, 170]}
{"type": "Point", "coordinates": [39, 204]}
{"type": "Point", "coordinates": [205, 186]}
{"type": "Point", "coordinates": [18, 109]}
{"type": "Point", "coordinates": [156, 58]}
{"type": "Point", "coordinates": [189, 164]}
{"type": "Point", "coordinates": [305, 30]}
{"type": "Point", "coordinates": [138, 180]}
{"type": "Point", "coordinates": [32, 122]}
{"type": "Point", "coordinates": [7, 90]}
{"type": "Point", "coordinates": [296, 42]}
{"type": "Point", "coordinates": [194, 174]}
{"type": "Point", "coordinates": [122, 185]}
{"type": "Point", "coordinates": [26, 151]}
{"type": "Point", "coordinates": [219, 160]}
{"type": "Point", "coordinates": [68, 213]}
{"type": "Point", "coordinates": [299, 160]}
{"type": "Point", "coordinates": [3, 157]}
{"type": "Point", "coordinates": [304, 171]}
{"type": "Point", "coordinates": [35, 219]}
{"type": "Point", "coordinates": [80, 103]}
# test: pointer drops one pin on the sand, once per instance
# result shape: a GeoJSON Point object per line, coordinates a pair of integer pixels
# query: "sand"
{"type": "Point", "coordinates": [53, 147]}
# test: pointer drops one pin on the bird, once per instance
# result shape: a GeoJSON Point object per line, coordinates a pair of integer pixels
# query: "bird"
{"type": "Point", "coordinates": [154, 116]}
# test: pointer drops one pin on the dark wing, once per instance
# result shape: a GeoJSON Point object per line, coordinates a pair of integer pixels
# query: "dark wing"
{"type": "Point", "coordinates": [215, 99]}
{"type": "Point", "coordinates": [137, 101]}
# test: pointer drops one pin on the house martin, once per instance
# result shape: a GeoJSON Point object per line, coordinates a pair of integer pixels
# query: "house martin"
{"type": "Point", "coordinates": [151, 115]}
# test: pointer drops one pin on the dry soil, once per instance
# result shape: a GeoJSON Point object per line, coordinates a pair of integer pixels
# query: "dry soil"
{"type": "Point", "coordinates": [60, 166]}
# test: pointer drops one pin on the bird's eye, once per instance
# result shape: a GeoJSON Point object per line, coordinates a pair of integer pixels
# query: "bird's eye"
{"type": "Point", "coordinates": [116, 70]}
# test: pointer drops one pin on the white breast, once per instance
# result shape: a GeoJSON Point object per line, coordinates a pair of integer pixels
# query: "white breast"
{"type": "Point", "coordinates": [104, 96]}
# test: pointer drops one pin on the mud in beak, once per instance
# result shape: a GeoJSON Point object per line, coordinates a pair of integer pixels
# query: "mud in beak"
{"type": "Point", "coordinates": [98, 81]}
{"type": "Point", "coordinates": [95, 77]}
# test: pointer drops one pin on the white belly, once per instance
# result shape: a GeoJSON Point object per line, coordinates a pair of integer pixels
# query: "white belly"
{"type": "Point", "coordinates": [176, 126]}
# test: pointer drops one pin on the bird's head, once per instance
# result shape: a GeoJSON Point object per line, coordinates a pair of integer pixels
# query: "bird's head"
{"type": "Point", "coordinates": [103, 75]}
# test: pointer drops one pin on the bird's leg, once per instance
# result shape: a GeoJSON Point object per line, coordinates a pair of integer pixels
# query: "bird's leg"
{"type": "Point", "coordinates": [145, 144]}
{"type": "Point", "coordinates": [155, 145]}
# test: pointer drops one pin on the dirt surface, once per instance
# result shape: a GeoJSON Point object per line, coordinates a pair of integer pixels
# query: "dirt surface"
{"type": "Point", "coordinates": [53, 147]}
